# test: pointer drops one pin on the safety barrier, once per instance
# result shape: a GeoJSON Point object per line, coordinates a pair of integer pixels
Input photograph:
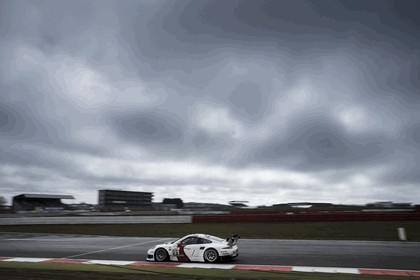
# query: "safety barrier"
{"type": "Point", "coordinates": [97, 220]}
{"type": "Point", "coordinates": [223, 218]}
{"type": "Point", "coordinates": [318, 217]}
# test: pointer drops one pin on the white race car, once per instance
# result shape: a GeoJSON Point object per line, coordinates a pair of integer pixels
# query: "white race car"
{"type": "Point", "coordinates": [195, 248]}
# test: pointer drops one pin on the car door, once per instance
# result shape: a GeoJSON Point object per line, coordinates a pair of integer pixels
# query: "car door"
{"type": "Point", "coordinates": [194, 247]}
{"type": "Point", "coordinates": [187, 248]}
{"type": "Point", "coordinates": [199, 248]}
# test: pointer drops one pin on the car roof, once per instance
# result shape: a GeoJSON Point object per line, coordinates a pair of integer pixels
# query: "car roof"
{"type": "Point", "coordinates": [207, 236]}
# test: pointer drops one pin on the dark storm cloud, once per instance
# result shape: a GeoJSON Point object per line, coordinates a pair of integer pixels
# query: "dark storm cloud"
{"type": "Point", "coordinates": [320, 144]}
{"type": "Point", "coordinates": [247, 99]}
{"type": "Point", "coordinates": [194, 31]}
{"type": "Point", "coordinates": [209, 23]}
{"type": "Point", "coordinates": [150, 128]}
{"type": "Point", "coordinates": [11, 123]}
{"type": "Point", "coordinates": [413, 135]}
{"type": "Point", "coordinates": [32, 21]}
{"type": "Point", "coordinates": [19, 121]}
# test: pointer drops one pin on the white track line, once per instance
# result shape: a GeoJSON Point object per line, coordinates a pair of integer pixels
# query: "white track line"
{"type": "Point", "coordinates": [205, 265]}
{"type": "Point", "coordinates": [325, 269]}
{"type": "Point", "coordinates": [106, 262]}
{"type": "Point", "coordinates": [40, 239]}
{"type": "Point", "coordinates": [26, 260]}
{"type": "Point", "coordinates": [115, 248]}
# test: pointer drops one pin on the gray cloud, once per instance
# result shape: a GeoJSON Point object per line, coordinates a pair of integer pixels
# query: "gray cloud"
{"type": "Point", "coordinates": [319, 144]}
{"type": "Point", "coordinates": [306, 100]}
{"type": "Point", "coordinates": [150, 128]}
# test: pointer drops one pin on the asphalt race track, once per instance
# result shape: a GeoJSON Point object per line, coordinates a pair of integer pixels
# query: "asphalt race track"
{"type": "Point", "coordinates": [357, 254]}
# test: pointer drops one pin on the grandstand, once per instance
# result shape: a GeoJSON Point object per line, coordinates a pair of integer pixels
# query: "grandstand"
{"type": "Point", "coordinates": [119, 200]}
{"type": "Point", "coordinates": [39, 202]}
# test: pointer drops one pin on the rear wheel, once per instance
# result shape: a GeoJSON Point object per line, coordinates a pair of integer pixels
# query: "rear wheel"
{"type": "Point", "coordinates": [161, 255]}
{"type": "Point", "coordinates": [211, 255]}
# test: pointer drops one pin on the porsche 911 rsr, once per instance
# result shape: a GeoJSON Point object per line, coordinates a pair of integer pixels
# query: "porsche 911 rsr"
{"type": "Point", "coordinates": [195, 248]}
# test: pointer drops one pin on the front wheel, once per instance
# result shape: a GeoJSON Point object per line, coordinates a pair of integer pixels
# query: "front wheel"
{"type": "Point", "coordinates": [161, 255]}
{"type": "Point", "coordinates": [211, 255]}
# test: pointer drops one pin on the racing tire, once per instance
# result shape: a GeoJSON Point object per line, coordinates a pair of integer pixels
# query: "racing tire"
{"type": "Point", "coordinates": [161, 255]}
{"type": "Point", "coordinates": [211, 255]}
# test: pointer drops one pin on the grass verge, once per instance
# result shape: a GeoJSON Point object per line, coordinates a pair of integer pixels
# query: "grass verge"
{"type": "Point", "coordinates": [367, 230]}
{"type": "Point", "coordinates": [41, 271]}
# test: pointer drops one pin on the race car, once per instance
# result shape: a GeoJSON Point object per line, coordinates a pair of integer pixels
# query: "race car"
{"type": "Point", "coordinates": [196, 247]}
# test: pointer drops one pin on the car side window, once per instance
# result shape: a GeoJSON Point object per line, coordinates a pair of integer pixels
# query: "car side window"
{"type": "Point", "coordinates": [203, 241]}
{"type": "Point", "coordinates": [195, 240]}
{"type": "Point", "coordinates": [190, 240]}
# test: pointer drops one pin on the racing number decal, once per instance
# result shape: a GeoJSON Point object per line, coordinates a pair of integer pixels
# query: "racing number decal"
{"type": "Point", "coordinates": [175, 252]}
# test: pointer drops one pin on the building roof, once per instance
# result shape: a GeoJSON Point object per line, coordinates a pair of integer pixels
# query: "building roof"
{"type": "Point", "coordinates": [51, 196]}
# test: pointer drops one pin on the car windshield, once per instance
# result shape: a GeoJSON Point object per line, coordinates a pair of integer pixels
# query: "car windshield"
{"type": "Point", "coordinates": [172, 242]}
{"type": "Point", "coordinates": [179, 239]}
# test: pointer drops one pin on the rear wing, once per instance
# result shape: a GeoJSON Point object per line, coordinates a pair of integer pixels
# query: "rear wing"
{"type": "Point", "coordinates": [232, 240]}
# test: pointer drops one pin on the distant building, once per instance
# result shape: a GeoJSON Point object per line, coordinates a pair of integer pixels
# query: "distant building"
{"type": "Point", "coordinates": [118, 200]}
{"type": "Point", "coordinates": [39, 202]}
{"type": "Point", "coordinates": [239, 203]}
{"type": "Point", "coordinates": [197, 206]}
{"type": "Point", "coordinates": [82, 206]}
{"type": "Point", "coordinates": [176, 202]}
{"type": "Point", "coordinates": [389, 204]}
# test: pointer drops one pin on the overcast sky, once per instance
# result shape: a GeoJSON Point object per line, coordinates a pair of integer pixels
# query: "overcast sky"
{"type": "Point", "coordinates": [211, 101]}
